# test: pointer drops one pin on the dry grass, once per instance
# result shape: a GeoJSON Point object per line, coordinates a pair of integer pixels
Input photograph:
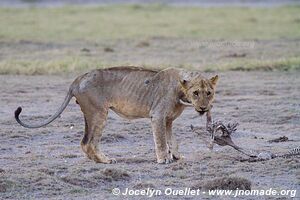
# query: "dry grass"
{"type": "Point", "coordinates": [115, 174]}
{"type": "Point", "coordinates": [283, 64]}
{"type": "Point", "coordinates": [228, 183]}
{"type": "Point", "coordinates": [47, 35]}
{"type": "Point", "coordinates": [73, 64]}
{"type": "Point", "coordinates": [132, 21]}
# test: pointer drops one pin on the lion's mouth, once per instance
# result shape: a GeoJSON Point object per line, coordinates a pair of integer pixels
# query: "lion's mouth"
{"type": "Point", "coordinates": [201, 112]}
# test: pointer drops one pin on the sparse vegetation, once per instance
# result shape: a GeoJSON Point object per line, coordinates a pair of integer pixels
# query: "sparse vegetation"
{"type": "Point", "coordinates": [283, 64]}
{"type": "Point", "coordinates": [67, 39]}
{"type": "Point", "coordinates": [115, 174]}
{"type": "Point", "coordinates": [229, 183]}
{"type": "Point", "coordinates": [225, 183]}
{"type": "Point", "coordinates": [132, 21]}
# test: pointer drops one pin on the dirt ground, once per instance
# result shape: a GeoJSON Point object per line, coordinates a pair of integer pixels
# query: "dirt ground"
{"type": "Point", "coordinates": [156, 52]}
{"type": "Point", "coordinates": [47, 163]}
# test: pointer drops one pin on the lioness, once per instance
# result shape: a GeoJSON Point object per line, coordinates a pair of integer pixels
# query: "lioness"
{"type": "Point", "coordinates": [134, 92]}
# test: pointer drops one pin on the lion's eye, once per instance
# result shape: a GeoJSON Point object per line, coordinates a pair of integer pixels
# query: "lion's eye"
{"type": "Point", "coordinates": [196, 93]}
{"type": "Point", "coordinates": [208, 93]}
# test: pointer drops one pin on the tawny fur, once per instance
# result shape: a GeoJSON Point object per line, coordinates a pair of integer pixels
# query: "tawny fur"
{"type": "Point", "coordinates": [132, 93]}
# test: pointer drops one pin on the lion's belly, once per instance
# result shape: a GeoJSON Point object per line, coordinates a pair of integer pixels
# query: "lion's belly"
{"type": "Point", "coordinates": [131, 110]}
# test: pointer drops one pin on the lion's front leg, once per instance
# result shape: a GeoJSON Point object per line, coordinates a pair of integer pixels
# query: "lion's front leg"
{"type": "Point", "coordinates": [159, 133]}
{"type": "Point", "coordinates": [171, 141]}
{"type": "Point", "coordinates": [208, 119]}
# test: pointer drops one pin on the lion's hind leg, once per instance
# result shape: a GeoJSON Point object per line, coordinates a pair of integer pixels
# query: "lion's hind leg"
{"type": "Point", "coordinates": [94, 125]}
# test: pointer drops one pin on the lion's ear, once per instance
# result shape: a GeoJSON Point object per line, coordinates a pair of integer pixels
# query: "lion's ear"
{"type": "Point", "coordinates": [214, 79]}
{"type": "Point", "coordinates": [184, 83]}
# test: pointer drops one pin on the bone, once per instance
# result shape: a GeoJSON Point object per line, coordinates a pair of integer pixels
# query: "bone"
{"type": "Point", "coordinates": [220, 134]}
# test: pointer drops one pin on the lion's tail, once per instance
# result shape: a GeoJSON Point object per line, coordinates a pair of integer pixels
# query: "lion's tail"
{"type": "Point", "coordinates": [48, 121]}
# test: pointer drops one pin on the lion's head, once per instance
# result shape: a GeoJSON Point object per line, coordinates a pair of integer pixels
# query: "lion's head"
{"type": "Point", "coordinates": [200, 92]}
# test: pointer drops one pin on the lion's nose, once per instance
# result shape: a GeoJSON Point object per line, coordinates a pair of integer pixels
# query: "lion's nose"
{"type": "Point", "coordinates": [202, 108]}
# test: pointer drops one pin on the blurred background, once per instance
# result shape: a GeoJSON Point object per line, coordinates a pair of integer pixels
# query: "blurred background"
{"type": "Point", "coordinates": [52, 37]}
{"type": "Point", "coordinates": [207, 3]}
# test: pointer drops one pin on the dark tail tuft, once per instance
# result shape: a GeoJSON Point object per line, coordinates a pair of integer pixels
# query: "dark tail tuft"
{"type": "Point", "coordinates": [17, 112]}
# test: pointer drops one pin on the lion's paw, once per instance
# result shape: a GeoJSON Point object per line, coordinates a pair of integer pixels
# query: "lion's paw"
{"type": "Point", "coordinates": [165, 161]}
{"type": "Point", "coordinates": [112, 161]}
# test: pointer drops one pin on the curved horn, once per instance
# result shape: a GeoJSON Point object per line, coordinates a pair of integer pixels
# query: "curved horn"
{"type": "Point", "coordinates": [185, 103]}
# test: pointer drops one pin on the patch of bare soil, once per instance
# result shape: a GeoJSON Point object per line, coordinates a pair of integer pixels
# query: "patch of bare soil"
{"type": "Point", "coordinates": [154, 51]}
{"type": "Point", "coordinates": [47, 163]}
